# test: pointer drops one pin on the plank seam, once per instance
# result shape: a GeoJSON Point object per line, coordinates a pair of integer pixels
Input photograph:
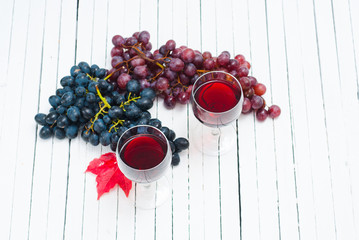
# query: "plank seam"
{"type": "Point", "coordinates": [325, 113]}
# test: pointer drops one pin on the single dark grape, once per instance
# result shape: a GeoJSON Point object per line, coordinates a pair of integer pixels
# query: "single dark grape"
{"type": "Point", "coordinates": [85, 68]}
{"type": "Point", "coordinates": [45, 132]}
{"type": "Point", "coordinates": [175, 159]}
{"type": "Point", "coordinates": [165, 131]}
{"type": "Point", "coordinates": [51, 118]}
{"type": "Point", "coordinates": [94, 139]}
{"type": "Point", "coordinates": [54, 101]}
{"type": "Point", "coordinates": [40, 118]}
{"type": "Point", "coordinates": [148, 93]}
{"type": "Point", "coordinates": [132, 111]}
{"type": "Point", "coordinates": [67, 81]}
{"type": "Point", "coordinates": [80, 91]}
{"type": "Point", "coordinates": [59, 133]}
{"type": "Point", "coordinates": [68, 99]}
{"type": "Point", "coordinates": [143, 121]}
{"type": "Point", "coordinates": [181, 144]}
{"type": "Point", "coordinates": [90, 97]}
{"type": "Point", "coordinates": [105, 138]}
{"type": "Point", "coordinates": [133, 86]}
{"type": "Point", "coordinates": [100, 73]}
{"type": "Point", "coordinates": [155, 123]}
{"type": "Point", "coordinates": [106, 119]}
{"type": "Point", "coordinates": [171, 135]}
{"type": "Point", "coordinates": [99, 126]}
{"type": "Point", "coordinates": [144, 103]}
{"type": "Point", "coordinates": [71, 131]}
{"type": "Point", "coordinates": [116, 112]}
{"type": "Point", "coordinates": [62, 121]}
{"type": "Point", "coordinates": [86, 134]}
{"type": "Point", "coordinates": [75, 70]}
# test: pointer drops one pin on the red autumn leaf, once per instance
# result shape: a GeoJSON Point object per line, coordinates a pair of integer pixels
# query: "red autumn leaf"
{"type": "Point", "coordinates": [106, 161]}
{"type": "Point", "coordinates": [108, 174]}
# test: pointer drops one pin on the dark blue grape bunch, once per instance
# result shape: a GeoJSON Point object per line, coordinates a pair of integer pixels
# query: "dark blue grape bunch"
{"type": "Point", "coordinates": [90, 105]}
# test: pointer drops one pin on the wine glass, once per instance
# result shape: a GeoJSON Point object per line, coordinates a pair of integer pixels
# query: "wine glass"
{"type": "Point", "coordinates": [216, 99]}
{"type": "Point", "coordinates": [144, 156]}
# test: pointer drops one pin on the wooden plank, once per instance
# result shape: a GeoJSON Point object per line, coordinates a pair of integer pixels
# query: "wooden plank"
{"type": "Point", "coordinates": [44, 150]}
{"type": "Point", "coordinates": [164, 226]}
{"type": "Point", "coordinates": [6, 18]}
{"type": "Point", "coordinates": [316, 124]}
{"type": "Point", "coordinates": [354, 23]}
{"type": "Point", "coordinates": [101, 47]}
{"type": "Point", "coordinates": [332, 86]}
{"type": "Point", "coordinates": [265, 155]}
{"type": "Point", "coordinates": [75, 173]}
{"type": "Point", "coordinates": [299, 115]}
{"type": "Point", "coordinates": [179, 124]}
{"type": "Point", "coordinates": [16, 180]}
{"type": "Point", "coordinates": [211, 187]}
{"type": "Point", "coordinates": [62, 151]}
{"type": "Point", "coordinates": [348, 75]}
{"type": "Point", "coordinates": [91, 207]}
{"type": "Point", "coordinates": [283, 127]}
{"type": "Point", "coordinates": [195, 161]}
{"type": "Point", "coordinates": [250, 225]}
{"type": "Point", "coordinates": [230, 225]}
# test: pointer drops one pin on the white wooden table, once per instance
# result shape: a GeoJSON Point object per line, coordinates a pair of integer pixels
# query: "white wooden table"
{"type": "Point", "coordinates": [296, 177]}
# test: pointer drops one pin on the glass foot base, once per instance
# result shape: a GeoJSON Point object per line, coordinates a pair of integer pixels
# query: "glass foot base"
{"type": "Point", "coordinates": [214, 141]}
{"type": "Point", "coordinates": [151, 195]}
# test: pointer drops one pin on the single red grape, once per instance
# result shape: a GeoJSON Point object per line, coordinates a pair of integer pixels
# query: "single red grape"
{"type": "Point", "coordinates": [183, 97]}
{"type": "Point", "coordinates": [247, 106]}
{"type": "Point", "coordinates": [240, 58]}
{"type": "Point", "coordinates": [262, 114]}
{"type": "Point", "coordinates": [257, 102]}
{"type": "Point", "coordinates": [170, 101]}
{"type": "Point", "coordinates": [259, 89]}
{"type": "Point", "coordinates": [274, 111]}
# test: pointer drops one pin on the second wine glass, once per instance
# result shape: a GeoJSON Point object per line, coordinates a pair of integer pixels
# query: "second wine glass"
{"type": "Point", "coordinates": [217, 100]}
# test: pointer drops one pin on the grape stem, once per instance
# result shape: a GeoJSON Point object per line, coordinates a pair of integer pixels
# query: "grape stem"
{"type": "Point", "coordinates": [129, 99]}
{"type": "Point", "coordinates": [102, 109]}
{"type": "Point", "coordinates": [115, 124]}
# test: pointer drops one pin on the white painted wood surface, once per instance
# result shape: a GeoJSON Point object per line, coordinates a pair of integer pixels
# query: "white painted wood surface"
{"type": "Point", "coordinates": [296, 177]}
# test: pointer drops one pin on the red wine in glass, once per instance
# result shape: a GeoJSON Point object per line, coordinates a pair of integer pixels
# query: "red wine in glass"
{"type": "Point", "coordinates": [216, 99]}
{"type": "Point", "coordinates": [143, 154]}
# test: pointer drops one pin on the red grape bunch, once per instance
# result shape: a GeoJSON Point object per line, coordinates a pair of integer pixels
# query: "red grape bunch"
{"type": "Point", "coordinates": [171, 71]}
